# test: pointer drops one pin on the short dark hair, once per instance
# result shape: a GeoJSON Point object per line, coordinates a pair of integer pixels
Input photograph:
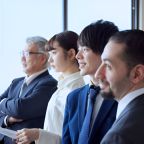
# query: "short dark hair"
{"type": "Point", "coordinates": [96, 35]}
{"type": "Point", "coordinates": [66, 40]}
{"type": "Point", "coordinates": [133, 44]}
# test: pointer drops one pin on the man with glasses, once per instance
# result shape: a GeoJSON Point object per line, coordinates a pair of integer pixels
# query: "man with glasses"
{"type": "Point", "coordinates": [24, 103]}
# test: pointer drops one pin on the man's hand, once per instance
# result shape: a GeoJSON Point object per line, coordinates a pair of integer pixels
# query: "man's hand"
{"type": "Point", "coordinates": [12, 120]}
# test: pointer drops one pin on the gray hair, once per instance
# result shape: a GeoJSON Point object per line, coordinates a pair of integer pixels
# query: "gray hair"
{"type": "Point", "coordinates": [40, 42]}
{"type": "Point", "coordinates": [37, 40]}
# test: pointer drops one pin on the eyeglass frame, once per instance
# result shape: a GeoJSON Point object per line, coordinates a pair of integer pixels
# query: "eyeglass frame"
{"type": "Point", "coordinates": [28, 53]}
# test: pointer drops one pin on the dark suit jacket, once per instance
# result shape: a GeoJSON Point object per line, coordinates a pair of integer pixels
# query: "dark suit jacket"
{"type": "Point", "coordinates": [129, 127]}
{"type": "Point", "coordinates": [31, 106]}
{"type": "Point", "coordinates": [75, 113]}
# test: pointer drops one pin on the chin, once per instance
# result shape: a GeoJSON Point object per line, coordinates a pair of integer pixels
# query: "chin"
{"type": "Point", "coordinates": [107, 94]}
{"type": "Point", "coordinates": [24, 70]}
{"type": "Point", "coordinates": [82, 73]}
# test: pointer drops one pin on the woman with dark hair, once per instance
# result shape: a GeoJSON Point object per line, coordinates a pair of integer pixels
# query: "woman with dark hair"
{"type": "Point", "coordinates": [62, 50]}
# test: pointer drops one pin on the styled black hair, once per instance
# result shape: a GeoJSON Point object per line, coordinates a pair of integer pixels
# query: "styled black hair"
{"type": "Point", "coordinates": [96, 35]}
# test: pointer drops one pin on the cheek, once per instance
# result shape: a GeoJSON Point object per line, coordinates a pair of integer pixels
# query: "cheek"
{"type": "Point", "coordinates": [56, 61]}
{"type": "Point", "coordinates": [110, 77]}
{"type": "Point", "coordinates": [28, 60]}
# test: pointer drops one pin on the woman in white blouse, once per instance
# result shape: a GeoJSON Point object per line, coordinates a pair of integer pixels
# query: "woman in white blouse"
{"type": "Point", "coordinates": [62, 49]}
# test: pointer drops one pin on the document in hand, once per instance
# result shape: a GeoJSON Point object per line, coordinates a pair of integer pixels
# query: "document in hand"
{"type": "Point", "coordinates": [7, 132]}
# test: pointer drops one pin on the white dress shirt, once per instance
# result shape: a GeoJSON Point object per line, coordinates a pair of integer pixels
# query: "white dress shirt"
{"type": "Point", "coordinates": [97, 106]}
{"type": "Point", "coordinates": [127, 99]}
{"type": "Point", "coordinates": [55, 111]}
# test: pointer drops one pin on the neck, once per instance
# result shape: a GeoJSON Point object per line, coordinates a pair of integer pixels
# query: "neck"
{"type": "Point", "coordinates": [93, 80]}
{"type": "Point", "coordinates": [131, 89]}
{"type": "Point", "coordinates": [29, 74]}
{"type": "Point", "coordinates": [71, 70]}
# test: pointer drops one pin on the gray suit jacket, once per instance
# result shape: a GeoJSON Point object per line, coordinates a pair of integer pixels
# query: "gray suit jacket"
{"type": "Point", "coordinates": [129, 127]}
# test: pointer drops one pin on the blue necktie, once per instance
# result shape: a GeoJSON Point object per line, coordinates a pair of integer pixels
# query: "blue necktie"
{"type": "Point", "coordinates": [84, 134]}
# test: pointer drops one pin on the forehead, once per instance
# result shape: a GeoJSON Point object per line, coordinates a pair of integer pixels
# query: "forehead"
{"type": "Point", "coordinates": [83, 47]}
{"type": "Point", "coordinates": [56, 44]}
{"type": "Point", "coordinates": [112, 51]}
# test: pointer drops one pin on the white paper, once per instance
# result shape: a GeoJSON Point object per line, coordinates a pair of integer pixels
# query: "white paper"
{"type": "Point", "coordinates": [8, 132]}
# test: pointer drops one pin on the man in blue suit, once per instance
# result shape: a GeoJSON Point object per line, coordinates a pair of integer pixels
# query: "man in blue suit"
{"type": "Point", "coordinates": [24, 103]}
{"type": "Point", "coordinates": [92, 41]}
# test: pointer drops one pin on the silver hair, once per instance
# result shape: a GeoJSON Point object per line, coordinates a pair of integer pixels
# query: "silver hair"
{"type": "Point", "coordinates": [40, 42]}
{"type": "Point", "coordinates": [37, 40]}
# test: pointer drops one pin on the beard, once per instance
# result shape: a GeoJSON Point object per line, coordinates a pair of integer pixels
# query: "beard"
{"type": "Point", "coordinates": [107, 94]}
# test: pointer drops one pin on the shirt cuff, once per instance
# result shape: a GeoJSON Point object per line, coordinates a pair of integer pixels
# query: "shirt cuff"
{"type": "Point", "coordinates": [5, 121]}
{"type": "Point", "coordinates": [45, 136]}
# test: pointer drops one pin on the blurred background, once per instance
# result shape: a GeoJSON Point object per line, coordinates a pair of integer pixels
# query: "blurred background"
{"type": "Point", "coordinates": [21, 19]}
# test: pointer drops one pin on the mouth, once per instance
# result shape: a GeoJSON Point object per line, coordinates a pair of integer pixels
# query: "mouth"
{"type": "Point", "coordinates": [53, 66]}
{"type": "Point", "coordinates": [82, 65]}
{"type": "Point", "coordinates": [103, 84]}
{"type": "Point", "coordinates": [24, 64]}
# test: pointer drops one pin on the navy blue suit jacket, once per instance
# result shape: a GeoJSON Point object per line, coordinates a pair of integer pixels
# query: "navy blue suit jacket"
{"type": "Point", "coordinates": [75, 113]}
{"type": "Point", "coordinates": [31, 106]}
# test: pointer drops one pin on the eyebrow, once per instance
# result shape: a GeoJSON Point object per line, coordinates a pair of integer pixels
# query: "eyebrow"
{"type": "Point", "coordinates": [108, 60]}
{"type": "Point", "coordinates": [52, 48]}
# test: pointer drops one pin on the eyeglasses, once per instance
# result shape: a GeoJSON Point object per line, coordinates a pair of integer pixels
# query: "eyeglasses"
{"type": "Point", "coordinates": [28, 53]}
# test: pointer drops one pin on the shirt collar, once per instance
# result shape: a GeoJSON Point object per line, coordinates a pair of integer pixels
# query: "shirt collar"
{"type": "Point", "coordinates": [91, 83]}
{"type": "Point", "coordinates": [67, 79]}
{"type": "Point", "coordinates": [29, 79]}
{"type": "Point", "coordinates": [127, 99]}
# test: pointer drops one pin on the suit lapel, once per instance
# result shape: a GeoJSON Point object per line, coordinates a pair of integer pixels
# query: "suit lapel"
{"type": "Point", "coordinates": [133, 104]}
{"type": "Point", "coordinates": [33, 83]}
{"type": "Point", "coordinates": [19, 85]}
{"type": "Point", "coordinates": [82, 106]}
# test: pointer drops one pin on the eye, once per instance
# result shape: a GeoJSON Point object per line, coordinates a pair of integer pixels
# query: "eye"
{"type": "Point", "coordinates": [108, 67]}
{"type": "Point", "coordinates": [85, 49]}
{"type": "Point", "coordinates": [53, 52]}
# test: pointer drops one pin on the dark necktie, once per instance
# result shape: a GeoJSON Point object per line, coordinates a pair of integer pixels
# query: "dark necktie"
{"type": "Point", "coordinates": [84, 134]}
{"type": "Point", "coordinates": [23, 88]}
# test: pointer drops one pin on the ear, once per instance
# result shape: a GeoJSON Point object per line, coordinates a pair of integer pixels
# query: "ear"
{"type": "Point", "coordinates": [137, 74]}
{"type": "Point", "coordinates": [44, 58]}
{"type": "Point", "coordinates": [72, 54]}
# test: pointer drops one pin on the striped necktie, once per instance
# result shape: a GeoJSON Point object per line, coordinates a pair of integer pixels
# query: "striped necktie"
{"type": "Point", "coordinates": [23, 88]}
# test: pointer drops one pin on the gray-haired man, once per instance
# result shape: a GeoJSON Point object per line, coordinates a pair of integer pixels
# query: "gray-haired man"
{"type": "Point", "coordinates": [25, 107]}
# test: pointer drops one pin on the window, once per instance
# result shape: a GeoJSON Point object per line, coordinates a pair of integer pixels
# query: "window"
{"type": "Point", "coordinates": [19, 20]}
{"type": "Point", "coordinates": [83, 12]}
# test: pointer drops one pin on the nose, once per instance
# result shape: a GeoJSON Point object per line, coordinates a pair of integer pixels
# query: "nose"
{"type": "Point", "coordinates": [50, 59]}
{"type": "Point", "coordinates": [100, 73]}
{"type": "Point", "coordinates": [23, 57]}
{"type": "Point", "coordinates": [79, 55]}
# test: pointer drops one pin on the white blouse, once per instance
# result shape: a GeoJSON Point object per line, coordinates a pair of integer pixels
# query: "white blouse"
{"type": "Point", "coordinates": [55, 111]}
